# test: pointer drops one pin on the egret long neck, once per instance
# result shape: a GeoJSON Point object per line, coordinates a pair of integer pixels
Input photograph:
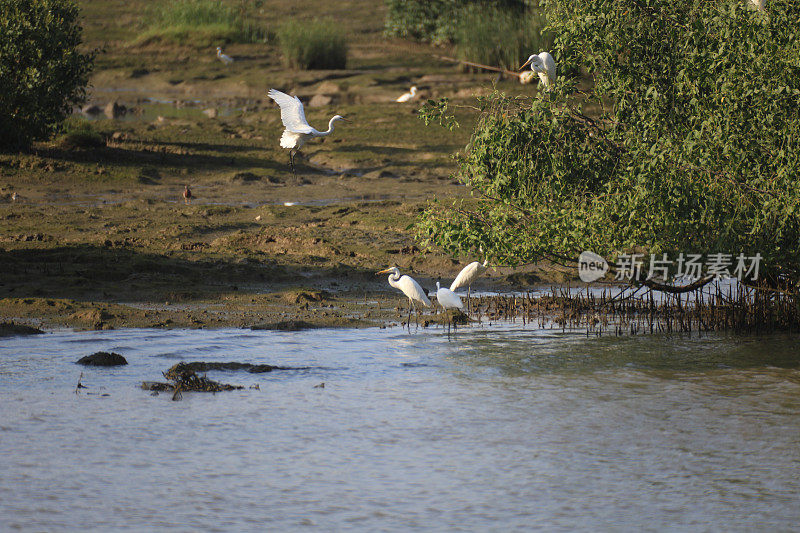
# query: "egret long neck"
{"type": "Point", "coordinates": [330, 128]}
{"type": "Point", "coordinates": [393, 279]}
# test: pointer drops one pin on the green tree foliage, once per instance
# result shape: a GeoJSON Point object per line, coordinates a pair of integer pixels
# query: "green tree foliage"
{"type": "Point", "coordinates": [436, 20]}
{"type": "Point", "coordinates": [688, 140]}
{"type": "Point", "coordinates": [43, 74]}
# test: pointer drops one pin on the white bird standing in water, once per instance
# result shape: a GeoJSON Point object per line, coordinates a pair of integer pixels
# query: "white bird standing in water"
{"type": "Point", "coordinates": [408, 96]}
{"type": "Point", "coordinates": [409, 287]}
{"type": "Point", "coordinates": [448, 300]}
{"type": "Point", "coordinates": [297, 131]}
{"type": "Point", "coordinates": [224, 58]}
{"type": "Point", "coordinates": [469, 274]}
{"type": "Point", "coordinates": [545, 66]}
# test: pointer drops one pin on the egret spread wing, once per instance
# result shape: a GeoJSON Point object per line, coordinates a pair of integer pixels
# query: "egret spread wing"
{"type": "Point", "coordinates": [292, 114]}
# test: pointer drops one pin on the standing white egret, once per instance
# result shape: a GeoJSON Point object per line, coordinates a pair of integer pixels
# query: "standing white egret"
{"type": "Point", "coordinates": [408, 96]}
{"type": "Point", "coordinates": [297, 131]}
{"type": "Point", "coordinates": [223, 57]}
{"type": "Point", "coordinates": [469, 274]}
{"type": "Point", "coordinates": [448, 300]}
{"type": "Point", "coordinates": [409, 287]}
{"type": "Point", "coordinates": [545, 66]}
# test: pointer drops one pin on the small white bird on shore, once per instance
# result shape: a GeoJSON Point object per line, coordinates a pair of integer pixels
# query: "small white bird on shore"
{"type": "Point", "coordinates": [545, 66]}
{"type": "Point", "coordinates": [14, 196]}
{"type": "Point", "coordinates": [408, 286]}
{"type": "Point", "coordinates": [224, 58]}
{"type": "Point", "coordinates": [297, 131]}
{"type": "Point", "coordinates": [411, 95]}
{"type": "Point", "coordinates": [468, 274]}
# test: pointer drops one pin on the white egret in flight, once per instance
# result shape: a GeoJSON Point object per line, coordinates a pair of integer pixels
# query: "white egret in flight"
{"type": "Point", "coordinates": [409, 287]}
{"type": "Point", "coordinates": [545, 66]}
{"type": "Point", "coordinates": [469, 274]}
{"type": "Point", "coordinates": [297, 131]}
{"type": "Point", "coordinates": [408, 96]}
{"type": "Point", "coordinates": [224, 58]}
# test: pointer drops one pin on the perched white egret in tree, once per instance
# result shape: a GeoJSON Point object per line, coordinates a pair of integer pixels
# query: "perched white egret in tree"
{"type": "Point", "coordinates": [469, 274]}
{"type": "Point", "coordinates": [758, 4]}
{"type": "Point", "coordinates": [297, 131]}
{"type": "Point", "coordinates": [408, 96]}
{"type": "Point", "coordinates": [409, 287]}
{"type": "Point", "coordinates": [224, 58]}
{"type": "Point", "coordinates": [545, 66]}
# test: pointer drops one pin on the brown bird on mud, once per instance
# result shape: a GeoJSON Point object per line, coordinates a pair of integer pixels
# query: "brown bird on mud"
{"type": "Point", "coordinates": [187, 195]}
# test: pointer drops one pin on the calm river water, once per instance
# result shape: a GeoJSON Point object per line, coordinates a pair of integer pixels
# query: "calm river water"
{"type": "Point", "coordinates": [495, 429]}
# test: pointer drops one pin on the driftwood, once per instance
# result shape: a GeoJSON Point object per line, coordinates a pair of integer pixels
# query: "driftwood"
{"type": "Point", "coordinates": [478, 65]}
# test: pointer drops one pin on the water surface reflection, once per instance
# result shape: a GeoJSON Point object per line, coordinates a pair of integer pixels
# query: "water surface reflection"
{"type": "Point", "coordinates": [496, 428]}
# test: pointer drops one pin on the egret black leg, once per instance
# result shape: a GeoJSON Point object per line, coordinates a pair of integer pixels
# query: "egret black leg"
{"type": "Point", "coordinates": [291, 163]}
{"type": "Point", "coordinates": [469, 288]}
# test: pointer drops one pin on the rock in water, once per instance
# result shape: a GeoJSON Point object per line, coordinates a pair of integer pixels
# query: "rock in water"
{"type": "Point", "coordinates": [114, 109]}
{"type": "Point", "coordinates": [102, 359]}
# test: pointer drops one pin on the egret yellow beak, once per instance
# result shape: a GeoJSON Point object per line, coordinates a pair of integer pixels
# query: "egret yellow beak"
{"type": "Point", "coordinates": [528, 62]}
{"type": "Point", "coordinates": [383, 271]}
{"type": "Point", "coordinates": [346, 119]}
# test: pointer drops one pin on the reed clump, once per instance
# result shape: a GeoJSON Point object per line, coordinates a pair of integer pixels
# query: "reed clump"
{"type": "Point", "coordinates": [201, 23]}
{"type": "Point", "coordinates": [79, 133]}
{"type": "Point", "coordinates": [500, 37]}
{"type": "Point", "coordinates": [312, 45]}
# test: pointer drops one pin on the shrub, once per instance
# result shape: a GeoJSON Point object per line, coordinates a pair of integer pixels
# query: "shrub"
{"type": "Point", "coordinates": [43, 75]}
{"type": "Point", "coordinates": [78, 133]}
{"type": "Point", "coordinates": [500, 37]}
{"type": "Point", "coordinates": [436, 20]}
{"type": "Point", "coordinates": [693, 147]}
{"type": "Point", "coordinates": [308, 45]}
{"type": "Point", "coordinates": [202, 23]}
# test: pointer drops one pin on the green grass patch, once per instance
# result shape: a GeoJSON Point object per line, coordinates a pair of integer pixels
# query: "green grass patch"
{"type": "Point", "coordinates": [79, 134]}
{"type": "Point", "coordinates": [310, 45]}
{"type": "Point", "coordinates": [201, 23]}
{"type": "Point", "coordinates": [501, 37]}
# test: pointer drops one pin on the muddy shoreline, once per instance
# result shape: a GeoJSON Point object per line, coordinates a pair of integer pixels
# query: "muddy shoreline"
{"type": "Point", "coordinates": [99, 237]}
